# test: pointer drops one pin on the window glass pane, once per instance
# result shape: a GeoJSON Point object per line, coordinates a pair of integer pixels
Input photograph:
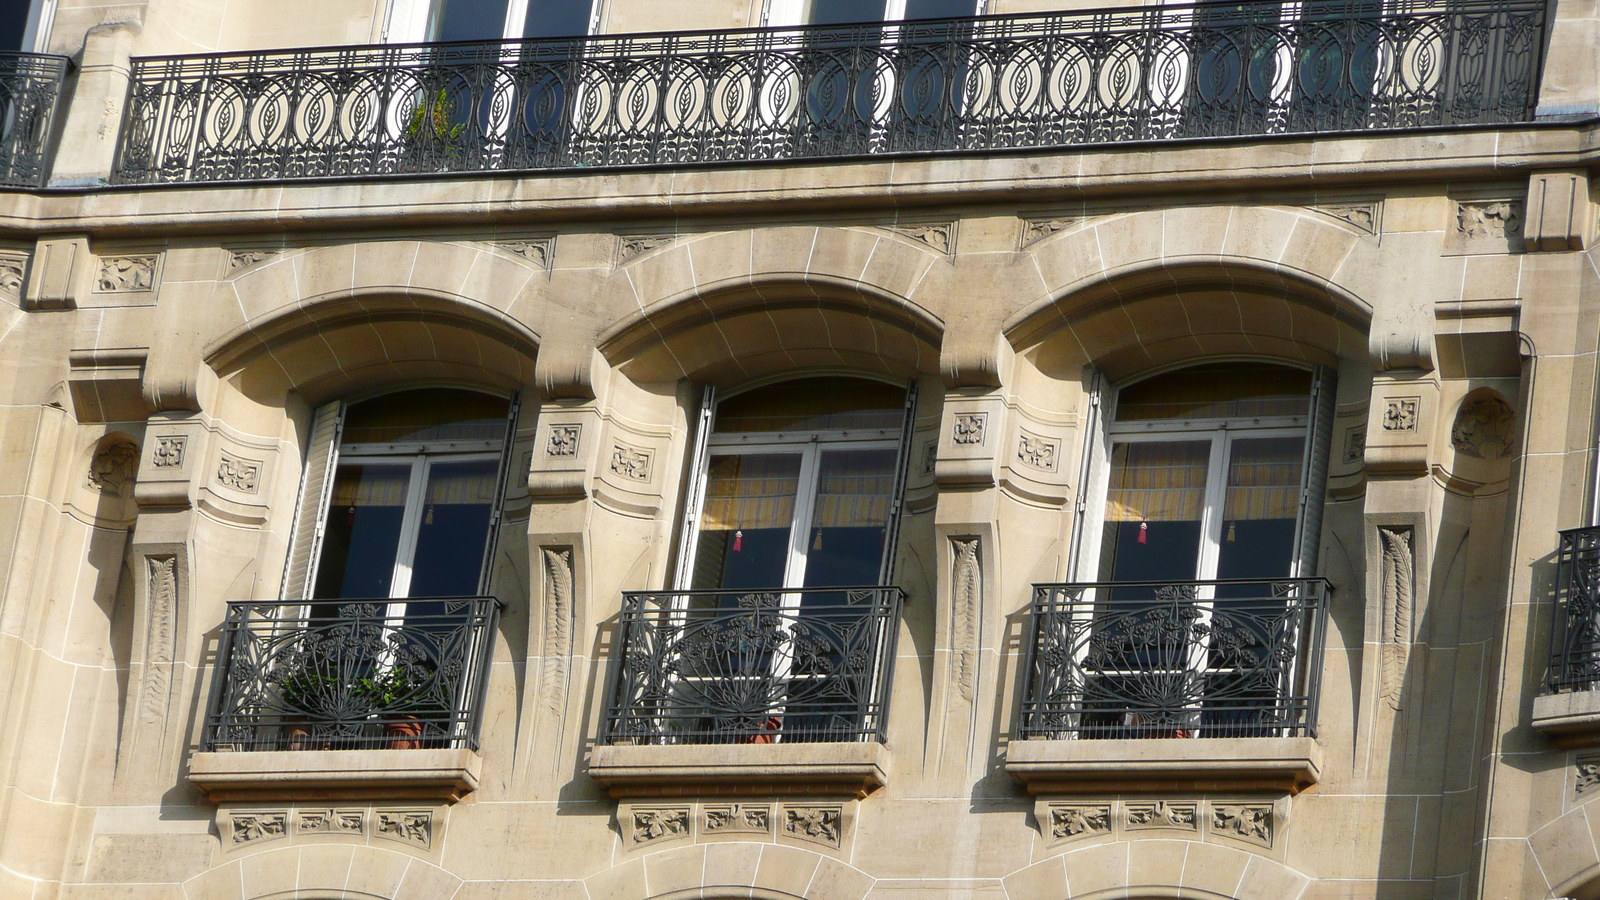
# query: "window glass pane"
{"type": "Point", "coordinates": [363, 531]}
{"type": "Point", "coordinates": [840, 12]}
{"type": "Point", "coordinates": [850, 519]}
{"type": "Point", "coordinates": [436, 414]}
{"type": "Point", "coordinates": [940, 9]}
{"type": "Point", "coordinates": [13, 22]}
{"type": "Point", "coordinates": [746, 521]}
{"type": "Point", "coordinates": [1154, 506]}
{"type": "Point", "coordinates": [471, 20]}
{"type": "Point", "coordinates": [1226, 390]}
{"type": "Point", "coordinates": [814, 404]}
{"type": "Point", "coordinates": [556, 18]}
{"type": "Point", "coordinates": [1263, 502]}
{"type": "Point", "coordinates": [454, 525]}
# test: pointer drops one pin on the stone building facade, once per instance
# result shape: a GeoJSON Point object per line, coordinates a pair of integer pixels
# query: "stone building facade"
{"type": "Point", "coordinates": [1038, 454]}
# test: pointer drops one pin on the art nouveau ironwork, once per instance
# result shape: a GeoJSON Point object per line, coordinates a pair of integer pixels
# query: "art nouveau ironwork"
{"type": "Point", "coordinates": [1161, 660]}
{"type": "Point", "coordinates": [977, 84]}
{"type": "Point", "coordinates": [1575, 636]}
{"type": "Point", "coordinates": [753, 667]}
{"type": "Point", "coordinates": [30, 90]}
{"type": "Point", "coordinates": [350, 674]}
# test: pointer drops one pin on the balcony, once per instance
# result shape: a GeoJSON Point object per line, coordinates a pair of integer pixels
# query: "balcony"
{"type": "Point", "coordinates": [343, 685]}
{"type": "Point", "coordinates": [750, 689]}
{"type": "Point", "coordinates": [1129, 684]}
{"type": "Point", "coordinates": [1569, 710]}
{"type": "Point", "coordinates": [1107, 76]}
{"type": "Point", "coordinates": [30, 90]}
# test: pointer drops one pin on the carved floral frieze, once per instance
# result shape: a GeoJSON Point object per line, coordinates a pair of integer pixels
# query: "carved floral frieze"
{"type": "Point", "coordinates": [1586, 778]}
{"type": "Point", "coordinates": [243, 475]}
{"type": "Point", "coordinates": [1400, 414]}
{"type": "Point", "coordinates": [631, 246]}
{"type": "Point", "coordinates": [647, 825]}
{"type": "Point", "coordinates": [538, 251]}
{"type": "Point", "coordinates": [1037, 452]}
{"type": "Point", "coordinates": [939, 236]}
{"type": "Point", "coordinates": [126, 274]}
{"type": "Point", "coordinates": [1485, 428]}
{"type": "Point", "coordinates": [631, 463]}
{"type": "Point", "coordinates": [1363, 215]}
{"type": "Point", "coordinates": [245, 828]}
{"type": "Point", "coordinates": [244, 259]}
{"type": "Point", "coordinates": [1250, 821]}
{"type": "Point", "coordinates": [1489, 218]}
{"type": "Point", "coordinates": [13, 265]}
{"type": "Point", "coordinates": [113, 467]}
{"type": "Point", "coordinates": [1355, 445]}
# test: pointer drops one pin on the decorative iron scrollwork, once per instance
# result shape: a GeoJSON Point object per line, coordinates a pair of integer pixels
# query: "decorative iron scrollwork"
{"type": "Point", "coordinates": [30, 91]}
{"type": "Point", "coordinates": [339, 675]}
{"type": "Point", "coordinates": [1173, 660]}
{"type": "Point", "coordinates": [754, 667]}
{"type": "Point", "coordinates": [1575, 641]}
{"type": "Point", "coordinates": [977, 84]}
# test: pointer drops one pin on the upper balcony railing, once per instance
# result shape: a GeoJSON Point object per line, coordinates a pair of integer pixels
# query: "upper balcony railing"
{"type": "Point", "coordinates": [30, 90]}
{"type": "Point", "coordinates": [350, 674]}
{"type": "Point", "coordinates": [792, 665]}
{"type": "Point", "coordinates": [977, 84]}
{"type": "Point", "coordinates": [1575, 634]}
{"type": "Point", "coordinates": [1197, 659]}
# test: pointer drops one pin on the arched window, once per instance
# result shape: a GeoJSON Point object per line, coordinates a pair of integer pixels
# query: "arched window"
{"type": "Point", "coordinates": [798, 486]}
{"type": "Point", "coordinates": [781, 624]}
{"type": "Point", "coordinates": [1194, 611]}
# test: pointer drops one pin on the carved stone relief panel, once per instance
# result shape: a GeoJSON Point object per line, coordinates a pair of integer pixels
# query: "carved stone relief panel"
{"type": "Point", "coordinates": [169, 451]}
{"type": "Point", "coordinates": [1586, 778]}
{"type": "Point", "coordinates": [1485, 223]}
{"type": "Point", "coordinates": [563, 441]}
{"type": "Point", "coordinates": [538, 251]}
{"type": "Point", "coordinates": [1400, 414]}
{"type": "Point", "coordinates": [1184, 816]}
{"type": "Point", "coordinates": [126, 274]}
{"type": "Point", "coordinates": [1485, 427]}
{"type": "Point", "coordinates": [1355, 444]}
{"type": "Point", "coordinates": [817, 824]}
{"type": "Point", "coordinates": [1063, 821]}
{"type": "Point", "coordinates": [1035, 230]}
{"type": "Point", "coordinates": [659, 824]}
{"type": "Point", "coordinates": [646, 825]}
{"type": "Point", "coordinates": [632, 463]}
{"type": "Point", "coordinates": [966, 590]}
{"type": "Point", "coordinates": [1364, 215]}
{"type": "Point", "coordinates": [1397, 580]}
{"type": "Point", "coordinates": [631, 246]}
{"type": "Point", "coordinates": [257, 827]}
{"type": "Point", "coordinates": [1069, 821]}
{"type": "Point", "coordinates": [1037, 452]}
{"type": "Point", "coordinates": [416, 829]}
{"type": "Point", "coordinates": [113, 467]}
{"type": "Point", "coordinates": [160, 645]}
{"type": "Point", "coordinates": [13, 266]}
{"type": "Point", "coordinates": [938, 236]}
{"type": "Point", "coordinates": [238, 473]}
{"type": "Point", "coordinates": [736, 818]}
{"type": "Point", "coordinates": [557, 625]}
{"type": "Point", "coordinates": [244, 259]}
{"type": "Point", "coordinates": [970, 428]}
{"type": "Point", "coordinates": [406, 826]}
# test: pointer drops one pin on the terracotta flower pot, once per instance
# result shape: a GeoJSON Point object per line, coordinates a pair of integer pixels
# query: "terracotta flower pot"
{"type": "Point", "coordinates": [404, 735]}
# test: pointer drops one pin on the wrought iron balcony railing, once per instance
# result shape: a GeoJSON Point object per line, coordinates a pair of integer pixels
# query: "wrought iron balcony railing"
{"type": "Point", "coordinates": [1199, 659]}
{"type": "Point", "coordinates": [978, 84]}
{"type": "Point", "coordinates": [30, 90]}
{"type": "Point", "coordinates": [1575, 626]}
{"type": "Point", "coordinates": [351, 674]}
{"type": "Point", "coordinates": [799, 665]}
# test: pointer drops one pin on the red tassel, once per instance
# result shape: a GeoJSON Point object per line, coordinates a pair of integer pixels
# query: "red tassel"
{"type": "Point", "coordinates": [1143, 531]}
{"type": "Point", "coordinates": [738, 540]}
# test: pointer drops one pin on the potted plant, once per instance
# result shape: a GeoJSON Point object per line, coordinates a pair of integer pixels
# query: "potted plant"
{"type": "Point", "coordinates": [431, 131]}
{"type": "Point", "coordinates": [390, 689]}
{"type": "Point", "coordinates": [299, 690]}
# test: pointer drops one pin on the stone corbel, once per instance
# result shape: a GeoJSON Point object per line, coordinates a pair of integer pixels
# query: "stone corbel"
{"type": "Point", "coordinates": [1559, 214]}
{"type": "Point", "coordinates": [106, 383]}
{"type": "Point", "coordinates": [568, 370]}
{"type": "Point", "coordinates": [1401, 423]}
{"type": "Point", "coordinates": [60, 273]}
{"type": "Point", "coordinates": [973, 358]}
{"type": "Point", "coordinates": [173, 451]}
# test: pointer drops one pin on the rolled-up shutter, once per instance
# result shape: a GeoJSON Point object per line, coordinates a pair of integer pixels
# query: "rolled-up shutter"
{"type": "Point", "coordinates": [316, 485]}
{"type": "Point", "coordinates": [1318, 443]}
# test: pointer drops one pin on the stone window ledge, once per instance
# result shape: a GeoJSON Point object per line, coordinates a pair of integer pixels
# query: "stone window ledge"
{"type": "Point", "coordinates": [1128, 766]}
{"type": "Point", "coordinates": [1570, 719]}
{"type": "Point", "coordinates": [336, 774]}
{"type": "Point", "coordinates": [839, 769]}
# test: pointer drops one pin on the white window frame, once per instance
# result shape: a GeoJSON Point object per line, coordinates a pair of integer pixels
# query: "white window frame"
{"type": "Point", "coordinates": [41, 19]}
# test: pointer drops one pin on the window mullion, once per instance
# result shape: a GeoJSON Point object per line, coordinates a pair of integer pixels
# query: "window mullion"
{"type": "Point", "coordinates": [410, 527]}
{"type": "Point", "coordinates": [805, 501]}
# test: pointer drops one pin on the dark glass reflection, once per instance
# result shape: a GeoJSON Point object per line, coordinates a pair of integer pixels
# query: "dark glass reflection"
{"type": "Point", "coordinates": [363, 531]}
{"type": "Point", "coordinates": [471, 20]}
{"type": "Point", "coordinates": [850, 519]}
{"type": "Point", "coordinates": [13, 23]}
{"type": "Point", "coordinates": [844, 12]}
{"type": "Point", "coordinates": [454, 527]}
{"type": "Point", "coordinates": [556, 18]}
{"type": "Point", "coordinates": [939, 9]}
